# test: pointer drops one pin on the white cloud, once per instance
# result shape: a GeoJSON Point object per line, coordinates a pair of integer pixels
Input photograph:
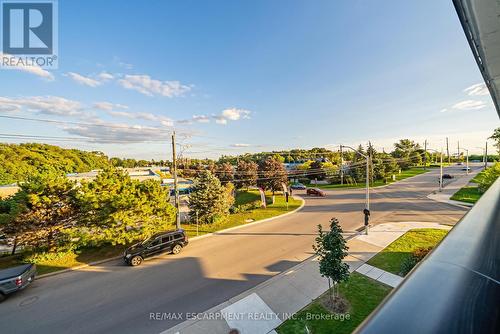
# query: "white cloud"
{"type": "Point", "coordinates": [146, 85]}
{"type": "Point", "coordinates": [477, 89]}
{"type": "Point", "coordinates": [81, 79]}
{"type": "Point", "coordinates": [50, 105]}
{"type": "Point", "coordinates": [235, 114]}
{"type": "Point", "coordinates": [443, 110]}
{"type": "Point", "coordinates": [165, 121]}
{"type": "Point", "coordinates": [469, 105]}
{"type": "Point", "coordinates": [106, 106]}
{"type": "Point", "coordinates": [220, 119]}
{"type": "Point", "coordinates": [201, 118]}
{"type": "Point", "coordinates": [105, 76]}
{"type": "Point", "coordinates": [19, 65]}
{"type": "Point", "coordinates": [240, 145]}
{"type": "Point", "coordinates": [105, 132]}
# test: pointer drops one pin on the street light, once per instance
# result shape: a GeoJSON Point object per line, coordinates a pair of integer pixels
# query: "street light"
{"type": "Point", "coordinates": [367, 202]}
{"type": "Point", "coordinates": [467, 159]}
{"type": "Point", "coordinates": [485, 158]}
{"type": "Point", "coordinates": [440, 167]}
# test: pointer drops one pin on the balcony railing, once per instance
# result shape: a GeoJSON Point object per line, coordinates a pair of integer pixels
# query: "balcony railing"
{"type": "Point", "coordinates": [456, 288]}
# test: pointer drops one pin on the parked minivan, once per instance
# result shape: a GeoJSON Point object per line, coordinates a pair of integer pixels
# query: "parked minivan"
{"type": "Point", "coordinates": [164, 242]}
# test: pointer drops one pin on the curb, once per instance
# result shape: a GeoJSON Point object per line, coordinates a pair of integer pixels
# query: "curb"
{"type": "Point", "coordinates": [190, 239]}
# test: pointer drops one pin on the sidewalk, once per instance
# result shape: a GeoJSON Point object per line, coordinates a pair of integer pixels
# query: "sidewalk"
{"type": "Point", "coordinates": [263, 308]}
{"type": "Point", "coordinates": [452, 188]}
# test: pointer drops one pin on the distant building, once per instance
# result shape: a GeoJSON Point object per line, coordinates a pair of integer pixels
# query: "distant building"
{"type": "Point", "coordinates": [139, 173]}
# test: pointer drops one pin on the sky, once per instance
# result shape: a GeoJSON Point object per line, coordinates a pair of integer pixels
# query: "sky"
{"type": "Point", "coordinates": [249, 76]}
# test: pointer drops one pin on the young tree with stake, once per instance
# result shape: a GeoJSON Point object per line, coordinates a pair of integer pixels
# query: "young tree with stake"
{"type": "Point", "coordinates": [332, 249]}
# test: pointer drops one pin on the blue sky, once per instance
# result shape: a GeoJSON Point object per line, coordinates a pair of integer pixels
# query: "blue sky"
{"type": "Point", "coordinates": [237, 76]}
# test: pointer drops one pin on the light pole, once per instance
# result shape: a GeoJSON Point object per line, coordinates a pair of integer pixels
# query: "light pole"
{"type": "Point", "coordinates": [467, 159]}
{"type": "Point", "coordinates": [440, 168]}
{"type": "Point", "coordinates": [367, 202]}
{"type": "Point", "coordinates": [484, 155]}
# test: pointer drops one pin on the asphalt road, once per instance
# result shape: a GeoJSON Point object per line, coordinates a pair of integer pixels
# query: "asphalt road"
{"type": "Point", "coordinates": [114, 298]}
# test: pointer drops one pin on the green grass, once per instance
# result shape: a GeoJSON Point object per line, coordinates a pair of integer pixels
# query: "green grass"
{"type": "Point", "coordinates": [391, 257]}
{"type": "Point", "coordinates": [241, 218]}
{"type": "Point", "coordinates": [404, 175]}
{"type": "Point", "coordinates": [467, 194]}
{"type": "Point", "coordinates": [478, 177]}
{"type": "Point", "coordinates": [245, 197]}
{"type": "Point", "coordinates": [363, 294]}
{"type": "Point", "coordinates": [66, 260]}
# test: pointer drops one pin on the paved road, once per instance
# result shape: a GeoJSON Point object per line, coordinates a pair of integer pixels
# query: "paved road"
{"type": "Point", "coordinates": [114, 298]}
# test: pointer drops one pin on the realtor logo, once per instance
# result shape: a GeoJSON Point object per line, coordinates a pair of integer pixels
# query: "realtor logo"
{"type": "Point", "coordinates": [29, 33]}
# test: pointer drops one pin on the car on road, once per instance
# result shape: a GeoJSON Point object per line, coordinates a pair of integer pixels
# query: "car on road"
{"type": "Point", "coordinates": [159, 243]}
{"type": "Point", "coordinates": [15, 279]}
{"type": "Point", "coordinates": [298, 186]}
{"type": "Point", "coordinates": [466, 169]}
{"type": "Point", "coordinates": [447, 176]}
{"type": "Point", "coordinates": [315, 192]}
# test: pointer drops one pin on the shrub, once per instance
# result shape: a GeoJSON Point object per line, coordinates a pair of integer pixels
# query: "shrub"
{"type": "Point", "coordinates": [412, 260]}
{"type": "Point", "coordinates": [489, 177]}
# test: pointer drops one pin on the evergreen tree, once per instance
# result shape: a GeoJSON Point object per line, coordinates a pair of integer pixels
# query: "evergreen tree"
{"type": "Point", "coordinates": [119, 210]}
{"type": "Point", "coordinates": [209, 200]}
{"type": "Point", "coordinates": [43, 207]}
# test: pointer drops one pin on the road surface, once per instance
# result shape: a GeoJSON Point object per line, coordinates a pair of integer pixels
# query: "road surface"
{"type": "Point", "coordinates": [113, 298]}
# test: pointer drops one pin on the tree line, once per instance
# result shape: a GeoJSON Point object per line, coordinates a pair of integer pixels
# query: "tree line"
{"type": "Point", "coordinates": [17, 161]}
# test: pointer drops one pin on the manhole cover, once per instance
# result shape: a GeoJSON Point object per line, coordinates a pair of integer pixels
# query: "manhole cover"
{"type": "Point", "coordinates": [28, 301]}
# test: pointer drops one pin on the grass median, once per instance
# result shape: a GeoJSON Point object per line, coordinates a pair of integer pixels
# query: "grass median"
{"type": "Point", "coordinates": [241, 218]}
{"type": "Point", "coordinates": [393, 256]}
{"type": "Point", "coordinates": [363, 295]}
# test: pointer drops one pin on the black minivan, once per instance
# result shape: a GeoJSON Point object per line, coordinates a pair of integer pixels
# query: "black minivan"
{"type": "Point", "coordinates": [170, 241]}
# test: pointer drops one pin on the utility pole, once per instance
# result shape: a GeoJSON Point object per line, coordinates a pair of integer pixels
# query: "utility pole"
{"type": "Point", "coordinates": [448, 150]}
{"type": "Point", "coordinates": [176, 189]}
{"type": "Point", "coordinates": [486, 156]}
{"type": "Point", "coordinates": [458, 151]}
{"type": "Point", "coordinates": [341, 166]}
{"type": "Point", "coordinates": [425, 155]}
{"type": "Point", "coordinates": [366, 210]}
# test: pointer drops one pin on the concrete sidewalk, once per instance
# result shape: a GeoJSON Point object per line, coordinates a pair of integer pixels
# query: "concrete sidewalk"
{"type": "Point", "coordinates": [451, 188]}
{"type": "Point", "coordinates": [264, 307]}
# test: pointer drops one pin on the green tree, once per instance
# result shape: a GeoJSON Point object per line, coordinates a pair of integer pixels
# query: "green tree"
{"type": "Point", "coordinates": [332, 249]}
{"type": "Point", "coordinates": [209, 199]}
{"type": "Point", "coordinates": [246, 174]}
{"type": "Point", "coordinates": [119, 210]}
{"type": "Point", "coordinates": [43, 208]}
{"type": "Point", "coordinates": [496, 137]}
{"type": "Point", "coordinates": [225, 172]}
{"type": "Point", "coordinates": [273, 174]}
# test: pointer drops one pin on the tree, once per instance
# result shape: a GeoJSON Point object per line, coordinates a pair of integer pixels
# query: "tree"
{"type": "Point", "coordinates": [44, 207]}
{"type": "Point", "coordinates": [209, 199]}
{"type": "Point", "coordinates": [246, 174]}
{"type": "Point", "coordinates": [273, 174]}
{"type": "Point", "coordinates": [332, 249]}
{"type": "Point", "coordinates": [225, 172]}
{"type": "Point", "coordinates": [416, 158]}
{"type": "Point", "coordinates": [119, 210]}
{"type": "Point", "coordinates": [496, 137]}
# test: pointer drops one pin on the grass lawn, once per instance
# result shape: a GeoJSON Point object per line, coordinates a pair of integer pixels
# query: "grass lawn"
{"type": "Point", "coordinates": [467, 194]}
{"type": "Point", "coordinates": [363, 294]}
{"type": "Point", "coordinates": [404, 175]}
{"type": "Point", "coordinates": [391, 257]}
{"type": "Point", "coordinates": [241, 218]}
{"type": "Point", "coordinates": [66, 260]}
